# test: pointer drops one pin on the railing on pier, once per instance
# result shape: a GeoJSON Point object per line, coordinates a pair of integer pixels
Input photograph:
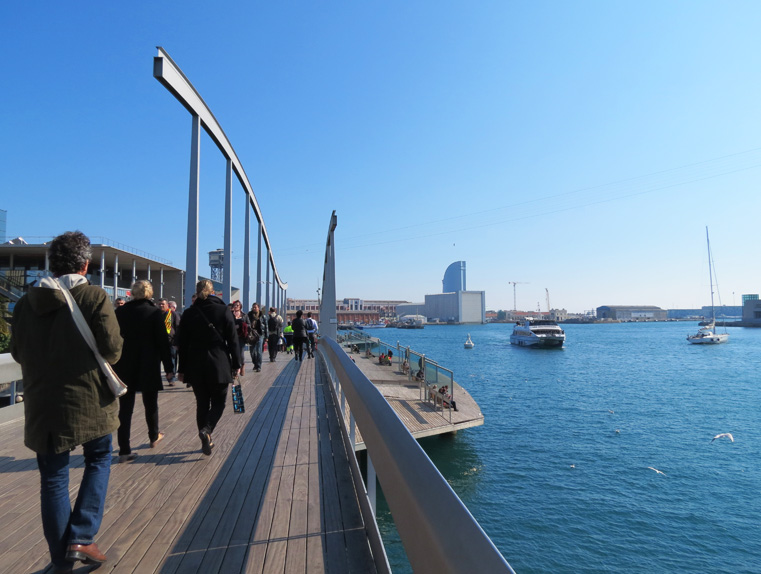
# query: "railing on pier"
{"type": "Point", "coordinates": [10, 379]}
{"type": "Point", "coordinates": [438, 532]}
{"type": "Point", "coordinates": [11, 287]}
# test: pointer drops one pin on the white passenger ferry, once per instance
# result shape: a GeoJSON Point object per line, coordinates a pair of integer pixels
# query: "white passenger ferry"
{"type": "Point", "coordinates": [537, 333]}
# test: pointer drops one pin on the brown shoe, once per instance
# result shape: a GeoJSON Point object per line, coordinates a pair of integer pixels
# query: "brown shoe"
{"type": "Point", "coordinates": [89, 554]}
{"type": "Point", "coordinates": [158, 440]}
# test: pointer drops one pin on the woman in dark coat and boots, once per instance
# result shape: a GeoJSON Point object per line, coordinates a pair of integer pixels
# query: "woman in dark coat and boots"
{"type": "Point", "coordinates": [209, 356]}
{"type": "Point", "coordinates": [146, 347]}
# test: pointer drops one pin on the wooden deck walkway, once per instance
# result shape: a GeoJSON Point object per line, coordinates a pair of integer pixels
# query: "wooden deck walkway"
{"type": "Point", "coordinates": [276, 496]}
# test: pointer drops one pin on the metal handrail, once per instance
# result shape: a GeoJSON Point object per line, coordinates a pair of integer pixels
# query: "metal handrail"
{"type": "Point", "coordinates": [438, 532]}
{"type": "Point", "coordinates": [10, 372]}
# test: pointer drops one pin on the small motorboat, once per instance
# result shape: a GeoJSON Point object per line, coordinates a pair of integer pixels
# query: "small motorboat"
{"type": "Point", "coordinates": [469, 344]}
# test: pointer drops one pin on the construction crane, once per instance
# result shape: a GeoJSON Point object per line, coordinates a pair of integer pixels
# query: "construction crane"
{"type": "Point", "coordinates": [514, 283]}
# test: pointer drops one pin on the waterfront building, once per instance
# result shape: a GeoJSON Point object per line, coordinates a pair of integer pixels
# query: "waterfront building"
{"type": "Point", "coordinates": [552, 315]}
{"type": "Point", "coordinates": [348, 310]}
{"type": "Point", "coordinates": [632, 313]}
{"type": "Point", "coordinates": [454, 305]}
{"type": "Point", "coordinates": [751, 310]}
{"type": "Point", "coordinates": [721, 312]}
{"type": "Point", "coordinates": [115, 267]}
{"type": "Point", "coordinates": [454, 278]}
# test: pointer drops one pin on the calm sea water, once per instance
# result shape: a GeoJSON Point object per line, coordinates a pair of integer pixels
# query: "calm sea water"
{"type": "Point", "coordinates": [561, 484]}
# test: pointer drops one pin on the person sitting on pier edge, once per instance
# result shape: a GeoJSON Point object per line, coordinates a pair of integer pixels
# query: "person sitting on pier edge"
{"type": "Point", "coordinates": [146, 347]}
{"type": "Point", "coordinates": [446, 398]}
{"type": "Point", "coordinates": [66, 399]}
{"type": "Point", "coordinates": [209, 357]}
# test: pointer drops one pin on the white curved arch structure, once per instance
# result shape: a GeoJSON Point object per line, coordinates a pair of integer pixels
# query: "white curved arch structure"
{"type": "Point", "coordinates": [171, 77]}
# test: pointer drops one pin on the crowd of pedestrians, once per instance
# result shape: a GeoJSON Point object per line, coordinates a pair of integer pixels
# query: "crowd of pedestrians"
{"type": "Point", "coordinates": [66, 334]}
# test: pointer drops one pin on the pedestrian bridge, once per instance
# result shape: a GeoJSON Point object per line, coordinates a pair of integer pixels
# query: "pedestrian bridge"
{"type": "Point", "coordinates": [276, 495]}
{"type": "Point", "coordinates": [281, 493]}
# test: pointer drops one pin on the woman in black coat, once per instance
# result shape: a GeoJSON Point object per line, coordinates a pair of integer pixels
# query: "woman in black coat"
{"type": "Point", "coordinates": [145, 347]}
{"type": "Point", "coordinates": [209, 356]}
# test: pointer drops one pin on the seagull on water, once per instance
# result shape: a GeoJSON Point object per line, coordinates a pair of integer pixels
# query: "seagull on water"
{"type": "Point", "coordinates": [656, 470]}
{"type": "Point", "coordinates": [724, 435]}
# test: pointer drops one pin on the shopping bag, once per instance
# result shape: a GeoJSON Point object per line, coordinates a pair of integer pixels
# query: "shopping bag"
{"type": "Point", "coordinates": [238, 404]}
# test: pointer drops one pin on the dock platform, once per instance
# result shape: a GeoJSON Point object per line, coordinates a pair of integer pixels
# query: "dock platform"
{"type": "Point", "coordinates": [275, 496]}
{"type": "Point", "coordinates": [420, 417]}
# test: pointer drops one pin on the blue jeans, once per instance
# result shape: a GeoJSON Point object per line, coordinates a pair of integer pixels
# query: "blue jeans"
{"type": "Point", "coordinates": [61, 526]}
{"type": "Point", "coordinates": [256, 353]}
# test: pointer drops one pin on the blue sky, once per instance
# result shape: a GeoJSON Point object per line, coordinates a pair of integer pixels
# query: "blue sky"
{"type": "Point", "coordinates": [580, 147]}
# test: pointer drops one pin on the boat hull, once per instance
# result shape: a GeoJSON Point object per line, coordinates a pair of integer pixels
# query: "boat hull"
{"type": "Point", "coordinates": [715, 339]}
{"type": "Point", "coordinates": [537, 342]}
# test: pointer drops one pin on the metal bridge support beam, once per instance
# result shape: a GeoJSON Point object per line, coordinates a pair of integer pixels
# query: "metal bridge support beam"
{"type": "Point", "coordinates": [191, 257]}
{"type": "Point", "coordinates": [228, 262]}
{"type": "Point", "coordinates": [102, 268]}
{"type": "Point", "coordinates": [116, 275]}
{"type": "Point", "coordinates": [259, 267]}
{"type": "Point", "coordinates": [247, 260]}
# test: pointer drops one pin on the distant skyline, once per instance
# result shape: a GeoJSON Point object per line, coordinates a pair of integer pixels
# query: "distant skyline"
{"type": "Point", "coordinates": [576, 147]}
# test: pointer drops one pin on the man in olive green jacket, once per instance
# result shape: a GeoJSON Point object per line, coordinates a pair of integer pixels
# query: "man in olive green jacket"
{"type": "Point", "coordinates": [66, 399]}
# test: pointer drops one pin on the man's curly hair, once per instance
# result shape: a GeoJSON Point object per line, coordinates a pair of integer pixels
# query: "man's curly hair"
{"type": "Point", "coordinates": [69, 252]}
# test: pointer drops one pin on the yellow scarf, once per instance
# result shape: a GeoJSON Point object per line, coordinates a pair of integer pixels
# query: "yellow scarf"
{"type": "Point", "coordinates": [168, 322]}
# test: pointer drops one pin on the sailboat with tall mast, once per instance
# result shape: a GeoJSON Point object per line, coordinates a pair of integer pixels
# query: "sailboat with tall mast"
{"type": "Point", "coordinates": [707, 335]}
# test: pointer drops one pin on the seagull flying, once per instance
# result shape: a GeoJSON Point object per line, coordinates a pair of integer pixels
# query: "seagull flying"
{"type": "Point", "coordinates": [656, 470]}
{"type": "Point", "coordinates": [724, 435]}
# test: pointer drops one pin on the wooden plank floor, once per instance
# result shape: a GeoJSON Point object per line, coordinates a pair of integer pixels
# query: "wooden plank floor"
{"type": "Point", "coordinates": [276, 496]}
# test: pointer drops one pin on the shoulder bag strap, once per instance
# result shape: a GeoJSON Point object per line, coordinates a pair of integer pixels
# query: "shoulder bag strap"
{"type": "Point", "coordinates": [211, 325]}
{"type": "Point", "coordinates": [114, 382]}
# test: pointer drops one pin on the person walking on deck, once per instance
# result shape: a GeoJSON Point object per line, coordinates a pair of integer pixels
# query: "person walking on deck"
{"type": "Point", "coordinates": [171, 323]}
{"type": "Point", "coordinates": [299, 335]}
{"type": "Point", "coordinates": [274, 332]}
{"type": "Point", "coordinates": [67, 401]}
{"type": "Point", "coordinates": [288, 336]}
{"type": "Point", "coordinates": [146, 347]}
{"type": "Point", "coordinates": [259, 324]}
{"type": "Point", "coordinates": [311, 334]}
{"type": "Point", "coordinates": [242, 326]}
{"type": "Point", "coordinates": [209, 357]}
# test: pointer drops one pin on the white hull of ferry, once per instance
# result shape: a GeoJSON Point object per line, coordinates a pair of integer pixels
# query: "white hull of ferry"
{"type": "Point", "coordinates": [544, 335]}
{"type": "Point", "coordinates": [537, 341]}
